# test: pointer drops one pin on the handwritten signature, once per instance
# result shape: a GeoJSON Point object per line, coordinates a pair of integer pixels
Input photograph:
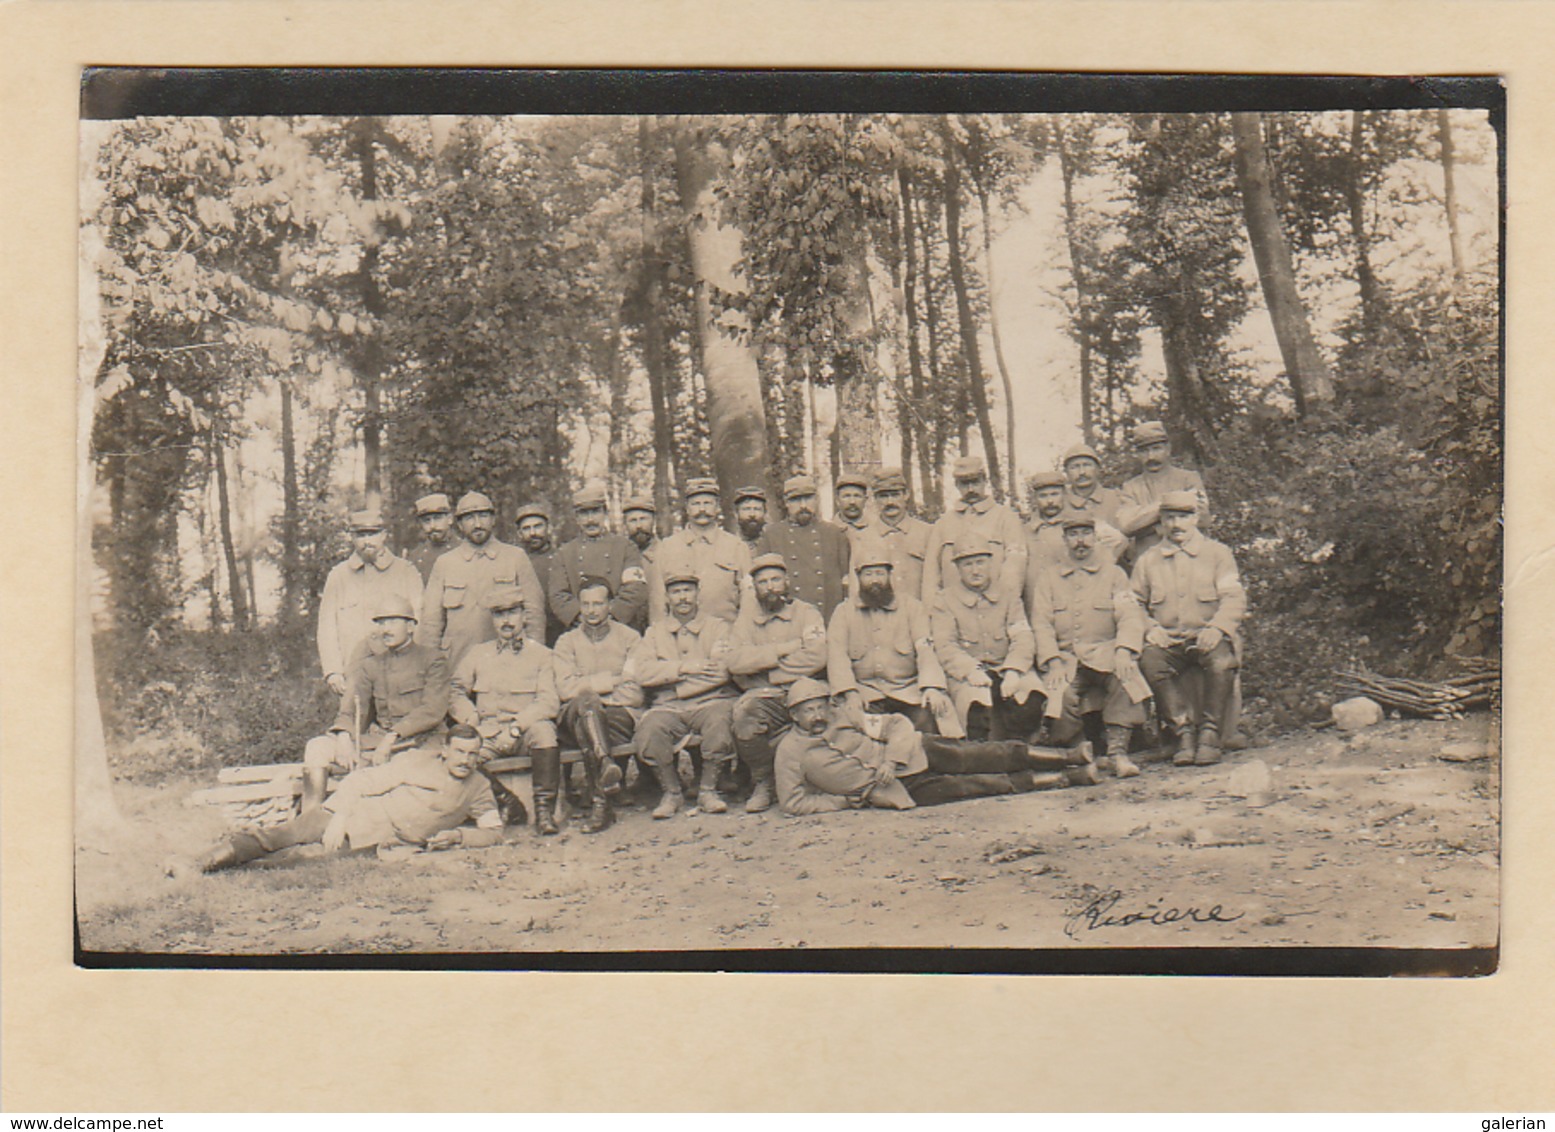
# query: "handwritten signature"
{"type": "Point", "coordinates": [1098, 912]}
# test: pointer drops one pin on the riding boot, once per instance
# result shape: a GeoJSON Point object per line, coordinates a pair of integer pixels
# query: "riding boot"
{"type": "Point", "coordinates": [546, 778]}
{"type": "Point", "coordinates": [315, 783]}
{"type": "Point", "coordinates": [1055, 758]}
{"type": "Point", "coordinates": [1173, 706]}
{"type": "Point", "coordinates": [708, 800]}
{"type": "Point", "coordinates": [509, 804]}
{"type": "Point", "coordinates": [1115, 744]}
{"type": "Point", "coordinates": [599, 815]}
{"type": "Point", "coordinates": [610, 776]}
{"type": "Point", "coordinates": [1216, 695]}
{"type": "Point", "coordinates": [671, 801]}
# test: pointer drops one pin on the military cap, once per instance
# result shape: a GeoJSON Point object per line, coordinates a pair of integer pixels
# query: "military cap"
{"type": "Point", "coordinates": [394, 605]}
{"type": "Point", "coordinates": [890, 479]}
{"type": "Point", "coordinates": [1080, 450]}
{"type": "Point", "coordinates": [1041, 480]}
{"type": "Point", "coordinates": [796, 487]}
{"type": "Point", "coordinates": [595, 580]}
{"type": "Point", "coordinates": [532, 510]}
{"type": "Point", "coordinates": [852, 479]}
{"type": "Point", "coordinates": [871, 552]}
{"type": "Point", "coordinates": [970, 548]}
{"type": "Point", "coordinates": [966, 466]}
{"type": "Point", "coordinates": [701, 485]}
{"type": "Point", "coordinates": [768, 562]}
{"type": "Point", "coordinates": [506, 597]}
{"type": "Point", "coordinates": [434, 504]}
{"type": "Point", "coordinates": [471, 502]}
{"type": "Point", "coordinates": [751, 492]}
{"type": "Point", "coordinates": [806, 689]}
{"type": "Point", "coordinates": [367, 519]}
{"type": "Point", "coordinates": [1140, 517]}
{"type": "Point", "coordinates": [1072, 520]}
{"type": "Point", "coordinates": [591, 496]}
{"type": "Point", "coordinates": [1179, 501]}
{"type": "Point", "coordinates": [1149, 432]}
{"type": "Point", "coordinates": [681, 574]}
{"type": "Point", "coordinates": [639, 503]}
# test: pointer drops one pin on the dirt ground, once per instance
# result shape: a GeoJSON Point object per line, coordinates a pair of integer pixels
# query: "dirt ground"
{"type": "Point", "coordinates": [1365, 840]}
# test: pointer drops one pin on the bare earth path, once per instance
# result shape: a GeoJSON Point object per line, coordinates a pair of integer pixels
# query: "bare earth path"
{"type": "Point", "coordinates": [1370, 840]}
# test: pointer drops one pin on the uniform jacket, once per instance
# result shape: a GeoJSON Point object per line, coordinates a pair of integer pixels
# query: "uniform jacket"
{"type": "Point", "coordinates": [817, 555]}
{"type": "Point", "coordinates": [720, 560]}
{"type": "Point", "coordinates": [972, 629]}
{"type": "Point", "coordinates": [610, 556]}
{"type": "Point", "coordinates": [840, 768]}
{"type": "Point", "coordinates": [1184, 588]}
{"type": "Point", "coordinates": [454, 615]}
{"type": "Point", "coordinates": [1102, 503]}
{"type": "Point", "coordinates": [882, 652]}
{"type": "Point", "coordinates": [496, 684]}
{"type": "Point", "coordinates": [404, 690]}
{"type": "Point", "coordinates": [352, 593]}
{"type": "Point", "coordinates": [1086, 610]}
{"type": "Point", "coordinates": [655, 661]}
{"type": "Point", "coordinates": [425, 554]}
{"type": "Point", "coordinates": [409, 798]}
{"type": "Point", "coordinates": [545, 571]}
{"type": "Point", "coordinates": [756, 635]}
{"type": "Point", "coordinates": [1147, 488]}
{"type": "Point", "coordinates": [908, 543]}
{"type": "Point", "coordinates": [994, 522]}
{"type": "Point", "coordinates": [586, 665]}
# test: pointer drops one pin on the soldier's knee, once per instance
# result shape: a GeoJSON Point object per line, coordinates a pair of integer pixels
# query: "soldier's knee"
{"type": "Point", "coordinates": [541, 734]}
{"type": "Point", "coordinates": [319, 752]}
{"type": "Point", "coordinates": [1221, 658]}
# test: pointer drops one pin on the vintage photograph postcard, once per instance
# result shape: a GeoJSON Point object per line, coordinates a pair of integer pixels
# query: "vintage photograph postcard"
{"type": "Point", "coordinates": [915, 522]}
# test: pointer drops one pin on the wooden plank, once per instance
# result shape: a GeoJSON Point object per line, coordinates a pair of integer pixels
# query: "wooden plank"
{"type": "Point", "coordinates": [240, 774]}
{"type": "Point", "coordinates": [245, 792]}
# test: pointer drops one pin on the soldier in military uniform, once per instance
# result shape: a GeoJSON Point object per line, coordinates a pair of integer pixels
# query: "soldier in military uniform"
{"type": "Point", "coordinates": [750, 515]}
{"type": "Point", "coordinates": [435, 516]}
{"type": "Point", "coordinates": [1159, 475]}
{"type": "Point", "coordinates": [1083, 491]}
{"type": "Point", "coordinates": [776, 641]}
{"type": "Point", "coordinates": [721, 560]}
{"type": "Point", "coordinates": [987, 650]}
{"type": "Point", "coordinates": [598, 552]}
{"type": "Point", "coordinates": [904, 535]}
{"type": "Point", "coordinates": [455, 614]}
{"type": "Point", "coordinates": [506, 689]}
{"type": "Point", "coordinates": [975, 515]}
{"type": "Point", "coordinates": [1045, 530]}
{"type": "Point", "coordinates": [533, 522]}
{"type": "Point", "coordinates": [816, 551]}
{"type": "Point", "coordinates": [396, 697]}
{"type": "Point", "coordinates": [850, 496]}
{"type": "Point", "coordinates": [354, 589]}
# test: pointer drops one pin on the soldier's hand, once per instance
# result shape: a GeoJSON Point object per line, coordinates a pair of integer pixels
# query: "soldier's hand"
{"type": "Point", "coordinates": [335, 833]}
{"type": "Point", "coordinates": [1008, 683]}
{"type": "Point", "coordinates": [1159, 637]}
{"type": "Point", "coordinates": [885, 774]}
{"type": "Point", "coordinates": [851, 702]}
{"type": "Point", "coordinates": [336, 682]}
{"type": "Point", "coordinates": [937, 701]}
{"type": "Point", "coordinates": [384, 748]}
{"type": "Point", "coordinates": [345, 750]}
{"type": "Point", "coordinates": [979, 678]}
{"type": "Point", "coordinates": [1209, 638]}
{"type": "Point", "coordinates": [445, 839]}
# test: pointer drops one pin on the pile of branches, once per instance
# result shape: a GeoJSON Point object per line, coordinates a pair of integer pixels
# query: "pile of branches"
{"type": "Point", "coordinates": [1479, 687]}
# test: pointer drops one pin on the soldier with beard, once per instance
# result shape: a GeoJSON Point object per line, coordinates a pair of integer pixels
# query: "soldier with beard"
{"type": "Point", "coordinates": [750, 515]}
{"type": "Point", "coordinates": [534, 535]}
{"type": "Point", "coordinates": [975, 515]}
{"type": "Point", "coordinates": [851, 495]}
{"type": "Point", "coordinates": [879, 652]}
{"type": "Point", "coordinates": [357, 587]}
{"type": "Point", "coordinates": [905, 536]}
{"type": "Point", "coordinates": [435, 516]}
{"type": "Point", "coordinates": [455, 614]}
{"type": "Point", "coordinates": [639, 519]}
{"type": "Point", "coordinates": [774, 643]}
{"type": "Point", "coordinates": [598, 552]}
{"type": "Point", "coordinates": [816, 551]}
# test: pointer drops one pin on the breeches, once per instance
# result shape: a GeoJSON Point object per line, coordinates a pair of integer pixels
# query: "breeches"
{"type": "Point", "coordinates": [1159, 664]}
{"type": "Point", "coordinates": [760, 720]}
{"type": "Point", "coordinates": [663, 727]}
{"type": "Point", "coordinates": [618, 723]}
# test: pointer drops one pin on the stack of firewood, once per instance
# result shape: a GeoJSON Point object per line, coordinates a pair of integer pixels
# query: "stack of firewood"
{"type": "Point", "coordinates": [1479, 687]}
{"type": "Point", "coordinates": [254, 795]}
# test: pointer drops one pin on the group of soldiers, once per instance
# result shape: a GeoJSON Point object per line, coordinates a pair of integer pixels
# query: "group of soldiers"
{"type": "Point", "coordinates": [878, 660]}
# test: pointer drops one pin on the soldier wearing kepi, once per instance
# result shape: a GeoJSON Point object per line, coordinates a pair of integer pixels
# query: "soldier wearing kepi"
{"type": "Point", "coordinates": [1045, 531]}
{"type": "Point", "coordinates": [682, 664]}
{"type": "Point", "coordinates": [356, 588]}
{"type": "Point", "coordinates": [598, 552]}
{"type": "Point", "coordinates": [1194, 604]}
{"type": "Point", "coordinates": [534, 536]}
{"type": "Point", "coordinates": [506, 690]}
{"type": "Point", "coordinates": [906, 536]}
{"type": "Point", "coordinates": [986, 648]}
{"type": "Point", "coordinates": [975, 515]}
{"type": "Point", "coordinates": [750, 515]}
{"type": "Point", "coordinates": [702, 547]}
{"type": "Point", "coordinates": [1083, 490]}
{"type": "Point", "coordinates": [833, 760]}
{"type": "Point", "coordinates": [639, 519]}
{"type": "Point", "coordinates": [396, 698]}
{"type": "Point", "coordinates": [816, 551]}
{"type": "Point", "coordinates": [775, 642]}
{"type": "Point", "coordinates": [435, 516]}
{"type": "Point", "coordinates": [600, 705]}
{"type": "Point", "coordinates": [850, 495]}
{"type": "Point", "coordinates": [1159, 474]}
{"type": "Point", "coordinates": [1089, 631]}
{"type": "Point", "coordinates": [455, 614]}
{"type": "Point", "coordinates": [879, 648]}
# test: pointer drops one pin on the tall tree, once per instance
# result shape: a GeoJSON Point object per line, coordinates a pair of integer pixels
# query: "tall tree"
{"type": "Point", "coordinates": [1450, 190]}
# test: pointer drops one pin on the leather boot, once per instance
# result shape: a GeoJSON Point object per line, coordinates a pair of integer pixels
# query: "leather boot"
{"type": "Point", "coordinates": [1173, 706]}
{"type": "Point", "coordinates": [708, 800]}
{"type": "Point", "coordinates": [509, 804]}
{"type": "Point", "coordinates": [610, 776]}
{"type": "Point", "coordinates": [761, 795]}
{"type": "Point", "coordinates": [315, 783]}
{"type": "Point", "coordinates": [234, 851]}
{"type": "Point", "coordinates": [546, 778]}
{"type": "Point", "coordinates": [1116, 745]}
{"type": "Point", "coordinates": [599, 815]}
{"type": "Point", "coordinates": [1056, 758]}
{"type": "Point", "coordinates": [671, 801]}
{"type": "Point", "coordinates": [1217, 695]}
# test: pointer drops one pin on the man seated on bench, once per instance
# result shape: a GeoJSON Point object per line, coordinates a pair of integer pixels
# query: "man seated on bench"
{"type": "Point", "coordinates": [396, 697]}
{"type": "Point", "coordinates": [506, 690]}
{"type": "Point", "coordinates": [422, 797]}
{"type": "Point", "coordinates": [601, 706]}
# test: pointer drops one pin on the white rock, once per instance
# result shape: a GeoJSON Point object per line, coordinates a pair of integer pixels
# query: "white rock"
{"type": "Point", "coordinates": [1357, 713]}
{"type": "Point", "coordinates": [1252, 780]}
{"type": "Point", "coordinates": [1464, 752]}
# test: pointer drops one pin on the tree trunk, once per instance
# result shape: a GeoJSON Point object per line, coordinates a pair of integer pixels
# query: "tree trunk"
{"type": "Point", "coordinates": [1355, 200]}
{"type": "Point", "coordinates": [857, 435]}
{"type": "Point", "coordinates": [918, 404]}
{"type": "Point", "coordinates": [1308, 372]}
{"type": "Point", "coordinates": [655, 345]}
{"type": "Point", "coordinates": [734, 410]}
{"type": "Point", "coordinates": [291, 517]}
{"type": "Point", "coordinates": [228, 550]}
{"type": "Point", "coordinates": [998, 342]}
{"type": "Point", "coordinates": [1078, 268]}
{"type": "Point", "coordinates": [369, 359]}
{"type": "Point", "coordinates": [616, 457]}
{"type": "Point", "coordinates": [1188, 404]}
{"type": "Point", "coordinates": [975, 386]}
{"type": "Point", "coordinates": [943, 423]}
{"type": "Point", "coordinates": [1450, 192]}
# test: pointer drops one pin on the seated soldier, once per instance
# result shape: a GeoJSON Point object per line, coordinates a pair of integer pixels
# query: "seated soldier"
{"type": "Point", "coordinates": [506, 690]}
{"type": "Point", "coordinates": [1089, 632]}
{"type": "Point", "coordinates": [396, 696]}
{"type": "Point", "coordinates": [985, 646]}
{"type": "Point", "coordinates": [1194, 604]}
{"type": "Point", "coordinates": [833, 759]}
{"type": "Point", "coordinates": [681, 664]}
{"type": "Point", "coordinates": [776, 640]}
{"type": "Point", "coordinates": [600, 706]}
{"type": "Point", "coordinates": [420, 797]}
{"type": "Point", "coordinates": [880, 654]}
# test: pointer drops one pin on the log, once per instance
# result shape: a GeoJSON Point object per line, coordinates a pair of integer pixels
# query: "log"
{"type": "Point", "coordinates": [245, 792]}
{"type": "Point", "coordinates": [237, 774]}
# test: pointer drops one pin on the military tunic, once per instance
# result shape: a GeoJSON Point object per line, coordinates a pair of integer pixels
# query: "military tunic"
{"type": "Point", "coordinates": [544, 563]}
{"type": "Point", "coordinates": [1185, 588]}
{"type": "Point", "coordinates": [1102, 503]}
{"type": "Point", "coordinates": [1148, 487]}
{"type": "Point", "coordinates": [721, 561]}
{"type": "Point", "coordinates": [454, 615]}
{"type": "Point", "coordinates": [612, 557]}
{"type": "Point", "coordinates": [1086, 610]}
{"type": "Point", "coordinates": [683, 704]}
{"type": "Point", "coordinates": [410, 798]}
{"type": "Point", "coordinates": [426, 554]}
{"type": "Point", "coordinates": [882, 653]}
{"type": "Point", "coordinates": [353, 592]}
{"type": "Point", "coordinates": [984, 521]}
{"type": "Point", "coordinates": [908, 543]}
{"type": "Point", "coordinates": [972, 630]}
{"type": "Point", "coordinates": [840, 768]}
{"type": "Point", "coordinates": [404, 690]}
{"type": "Point", "coordinates": [584, 664]}
{"type": "Point", "coordinates": [498, 689]}
{"type": "Point", "coordinates": [817, 555]}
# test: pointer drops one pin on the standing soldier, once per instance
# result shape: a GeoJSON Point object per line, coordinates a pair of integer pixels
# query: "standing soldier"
{"type": "Point", "coordinates": [1045, 532]}
{"type": "Point", "coordinates": [355, 588]}
{"type": "Point", "coordinates": [506, 690]}
{"type": "Point", "coordinates": [396, 699]}
{"type": "Point", "coordinates": [436, 517]}
{"type": "Point", "coordinates": [598, 552]}
{"type": "Point", "coordinates": [1084, 492]}
{"type": "Point", "coordinates": [1194, 605]}
{"type": "Point", "coordinates": [682, 664]}
{"type": "Point", "coordinates": [905, 536]}
{"type": "Point", "coordinates": [750, 515]}
{"type": "Point", "coordinates": [985, 645]}
{"type": "Point", "coordinates": [638, 519]}
{"type": "Point", "coordinates": [816, 551]}
{"type": "Point", "coordinates": [1160, 475]}
{"type": "Point", "coordinates": [851, 495]}
{"type": "Point", "coordinates": [455, 615]}
{"type": "Point", "coordinates": [1089, 633]}
{"type": "Point", "coordinates": [975, 515]}
{"type": "Point", "coordinates": [776, 641]}
{"type": "Point", "coordinates": [879, 650]}
{"type": "Point", "coordinates": [534, 536]}
{"type": "Point", "coordinates": [600, 707]}
{"type": "Point", "coordinates": [721, 560]}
